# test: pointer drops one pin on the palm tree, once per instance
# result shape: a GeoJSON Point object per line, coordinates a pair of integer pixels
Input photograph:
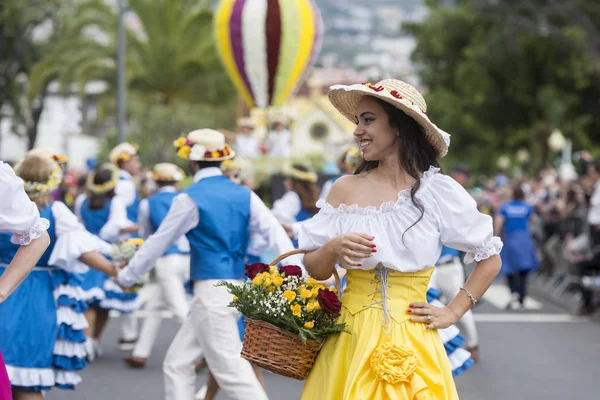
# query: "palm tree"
{"type": "Point", "coordinates": [171, 56]}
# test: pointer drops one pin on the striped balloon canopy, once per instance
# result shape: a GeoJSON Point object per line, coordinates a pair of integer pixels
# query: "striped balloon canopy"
{"type": "Point", "coordinates": [268, 46]}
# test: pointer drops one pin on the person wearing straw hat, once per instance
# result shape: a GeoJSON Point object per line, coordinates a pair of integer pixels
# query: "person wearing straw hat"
{"type": "Point", "coordinates": [246, 143]}
{"type": "Point", "coordinates": [125, 157]}
{"type": "Point", "coordinates": [216, 215]}
{"type": "Point", "coordinates": [348, 160]}
{"type": "Point", "coordinates": [278, 141]}
{"type": "Point", "coordinates": [386, 225]}
{"type": "Point", "coordinates": [172, 269]}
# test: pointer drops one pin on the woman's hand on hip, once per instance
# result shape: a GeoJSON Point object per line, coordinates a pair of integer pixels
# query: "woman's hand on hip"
{"type": "Point", "coordinates": [435, 317]}
{"type": "Point", "coordinates": [351, 246]}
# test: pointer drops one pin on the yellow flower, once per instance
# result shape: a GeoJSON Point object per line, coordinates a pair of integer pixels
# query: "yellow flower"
{"type": "Point", "coordinates": [273, 269]}
{"type": "Point", "coordinates": [184, 152]}
{"type": "Point", "coordinates": [278, 281]}
{"type": "Point", "coordinates": [393, 363]}
{"type": "Point", "coordinates": [309, 325]}
{"type": "Point", "coordinates": [235, 298]}
{"type": "Point", "coordinates": [317, 305]}
{"type": "Point", "coordinates": [124, 156]}
{"type": "Point", "coordinates": [179, 142]}
{"type": "Point", "coordinates": [271, 289]}
{"type": "Point", "coordinates": [268, 282]}
{"type": "Point", "coordinates": [305, 293]}
{"type": "Point", "coordinates": [215, 154]}
{"type": "Point", "coordinates": [275, 275]}
{"type": "Point", "coordinates": [296, 310]}
{"type": "Point", "coordinates": [258, 280]}
{"type": "Point", "coordinates": [135, 241]}
{"type": "Point", "coordinates": [289, 295]}
{"type": "Point", "coordinates": [333, 289]}
{"type": "Point", "coordinates": [310, 307]}
{"type": "Point", "coordinates": [312, 281]}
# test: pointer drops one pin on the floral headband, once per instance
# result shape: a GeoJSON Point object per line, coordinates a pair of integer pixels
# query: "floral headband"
{"type": "Point", "coordinates": [105, 187]}
{"type": "Point", "coordinates": [44, 188]}
{"type": "Point", "coordinates": [305, 176]}
{"type": "Point", "coordinates": [125, 155]}
{"type": "Point", "coordinates": [229, 165]}
{"type": "Point", "coordinates": [184, 147]}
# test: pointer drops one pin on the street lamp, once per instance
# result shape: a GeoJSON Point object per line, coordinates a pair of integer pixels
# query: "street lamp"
{"type": "Point", "coordinates": [121, 73]}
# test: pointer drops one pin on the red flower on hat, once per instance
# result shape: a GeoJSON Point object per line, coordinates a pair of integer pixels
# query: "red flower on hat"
{"type": "Point", "coordinates": [396, 94]}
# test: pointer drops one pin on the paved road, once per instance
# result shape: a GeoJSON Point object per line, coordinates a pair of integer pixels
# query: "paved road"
{"type": "Point", "coordinates": [541, 353]}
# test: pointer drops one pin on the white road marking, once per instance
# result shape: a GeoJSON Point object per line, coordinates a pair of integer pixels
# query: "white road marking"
{"type": "Point", "coordinates": [529, 318]}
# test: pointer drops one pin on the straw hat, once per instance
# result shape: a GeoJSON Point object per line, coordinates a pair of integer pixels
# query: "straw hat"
{"type": "Point", "coordinates": [204, 145]}
{"type": "Point", "coordinates": [122, 152]}
{"type": "Point", "coordinates": [167, 172]}
{"type": "Point", "coordinates": [401, 95]}
{"type": "Point", "coordinates": [48, 152]}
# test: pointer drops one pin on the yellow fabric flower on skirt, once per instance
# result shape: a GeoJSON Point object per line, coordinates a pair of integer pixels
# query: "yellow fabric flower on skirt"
{"type": "Point", "coordinates": [296, 310]}
{"type": "Point", "coordinates": [309, 325]}
{"type": "Point", "coordinates": [393, 363]}
{"type": "Point", "coordinates": [289, 295]}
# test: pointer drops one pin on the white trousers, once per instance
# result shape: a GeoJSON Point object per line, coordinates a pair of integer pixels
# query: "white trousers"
{"type": "Point", "coordinates": [172, 272]}
{"type": "Point", "coordinates": [210, 331]}
{"type": "Point", "coordinates": [448, 279]}
{"type": "Point", "coordinates": [129, 326]}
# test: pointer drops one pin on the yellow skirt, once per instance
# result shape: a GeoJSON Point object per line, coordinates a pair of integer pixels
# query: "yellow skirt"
{"type": "Point", "coordinates": [382, 358]}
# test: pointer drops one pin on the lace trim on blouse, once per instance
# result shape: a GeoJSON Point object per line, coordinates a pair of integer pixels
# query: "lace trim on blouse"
{"type": "Point", "coordinates": [37, 229]}
{"type": "Point", "coordinates": [491, 248]}
{"type": "Point", "coordinates": [387, 207]}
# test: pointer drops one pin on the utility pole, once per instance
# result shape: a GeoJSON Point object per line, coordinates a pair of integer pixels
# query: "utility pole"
{"type": "Point", "coordinates": [121, 108]}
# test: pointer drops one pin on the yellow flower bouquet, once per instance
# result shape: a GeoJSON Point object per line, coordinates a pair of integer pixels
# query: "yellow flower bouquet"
{"type": "Point", "coordinates": [289, 315]}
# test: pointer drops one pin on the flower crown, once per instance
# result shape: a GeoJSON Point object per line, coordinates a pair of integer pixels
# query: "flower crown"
{"type": "Point", "coordinates": [305, 176]}
{"type": "Point", "coordinates": [124, 155]}
{"type": "Point", "coordinates": [105, 187]}
{"type": "Point", "coordinates": [229, 165]}
{"type": "Point", "coordinates": [43, 188]}
{"type": "Point", "coordinates": [184, 146]}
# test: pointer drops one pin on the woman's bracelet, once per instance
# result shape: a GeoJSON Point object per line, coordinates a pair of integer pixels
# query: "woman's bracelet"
{"type": "Point", "coordinates": [473, 301]}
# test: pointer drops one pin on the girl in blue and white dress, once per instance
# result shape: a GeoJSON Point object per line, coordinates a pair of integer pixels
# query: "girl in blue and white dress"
{"type": "Point", "coordinates": [104, 215]}
{"type": "Point", "coordinates": [298, 204]}
{"type": "Point", "coordinates": [41, 332]}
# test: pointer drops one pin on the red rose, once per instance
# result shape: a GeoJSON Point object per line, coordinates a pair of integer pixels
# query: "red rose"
{"type": "Point", "coordinates": [254, 269]}
{"type": "Point", "coordinates": [291, 270]}
{"type": "Point", "coordinates": [329, 302]}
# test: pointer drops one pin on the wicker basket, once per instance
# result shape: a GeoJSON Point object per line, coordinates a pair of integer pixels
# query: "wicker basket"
{"type": "Point", "coordinates": [279, 351]}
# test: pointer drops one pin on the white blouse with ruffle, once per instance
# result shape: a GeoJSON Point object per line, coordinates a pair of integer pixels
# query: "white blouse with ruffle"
{"type": "Point", "coordinates": [18, 214]}
{"type": "Point", "coordinates": [451, 218]}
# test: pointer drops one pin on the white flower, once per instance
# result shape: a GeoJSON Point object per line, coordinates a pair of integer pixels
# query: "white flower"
{"type": "Point", "coordinates": [197, 152]}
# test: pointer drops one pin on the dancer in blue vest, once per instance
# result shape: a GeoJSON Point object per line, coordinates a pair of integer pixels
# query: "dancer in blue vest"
{"type": "Point", "coordinates": [20, 217]}
{"type": "Point", "coordinates": [104, 215]}
{"type": "Point", "coordinates": [216, 215]}
{"type": "Point", "coordinates": [172, 269]}
{"type": "Point", "coordinates": [41, 334]}
{"type": "Point", "coordinates": [299, 203]}
{"type": "Point", "coordinates": [125, 157]}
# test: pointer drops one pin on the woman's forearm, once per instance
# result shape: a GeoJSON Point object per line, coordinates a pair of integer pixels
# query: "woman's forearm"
{"type": "Point", "coordinates": [97, 261]}
{"type": "Point", "coordinates": [478, 283]}
{"type": "Point", "coordinates": [21, 264]}
{"type": "Point", "coordinates": [321, 262]}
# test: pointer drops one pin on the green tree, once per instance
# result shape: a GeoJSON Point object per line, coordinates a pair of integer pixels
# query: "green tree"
{"type": "Point", "coordinates": [500, 77]}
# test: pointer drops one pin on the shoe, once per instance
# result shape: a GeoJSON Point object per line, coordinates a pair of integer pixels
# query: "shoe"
{"type": "Point", "coordinates": [474, 353]}
{"type": "Point", "coordinates": [201, 393]}
{"type": "Point", "coordinates": [127, 345]}
{"type": "Point", "coordinates": [135, 362]}
{"type": "Point", "coordinates": [513, 303]}
{"type": "Point", "coordinates": [97, 348]}
{"type": "Point", "coordinates": [90, 353]}
{"type": "Point", "coordinates": [585, 311]}
{"type": "Point", "coordinates": [200, 366]}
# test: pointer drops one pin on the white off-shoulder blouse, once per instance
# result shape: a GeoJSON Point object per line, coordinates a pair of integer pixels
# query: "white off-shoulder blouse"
{"type": "Point", "coordinates": [18, 214]}
{"type": "Point", "coordinates": [451, 218]}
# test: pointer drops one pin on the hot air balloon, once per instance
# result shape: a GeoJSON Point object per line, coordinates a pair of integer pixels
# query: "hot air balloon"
{"type": "Point", "coordinates": [268, 46]}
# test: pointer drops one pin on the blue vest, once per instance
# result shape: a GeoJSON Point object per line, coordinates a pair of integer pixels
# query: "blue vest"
{"type": "Point", "coordinates": [159, 204]}
{"type": "Point", "coordinates": [218, 244]}
{"type": "Point", "coordinates": [94, 220]}
{"type": "Point", "coordinates": [132, 209]}
{"type": "Point", "coordinates": [9, 249]}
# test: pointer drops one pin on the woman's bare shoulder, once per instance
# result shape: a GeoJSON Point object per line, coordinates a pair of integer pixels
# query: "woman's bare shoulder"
{"type": "Point", "coordinates": [344, 190]}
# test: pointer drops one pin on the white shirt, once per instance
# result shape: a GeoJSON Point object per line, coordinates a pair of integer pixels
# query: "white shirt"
{"type": "Point", "coordinates": [183, 216]}
{"type": "Point", "coordinates": [278, 143]}
{"type": "Point", "coordinates": [247, 146]}
{"type": "Point", "coordinates": [125, 188]}
{"type": "Point", "coordinates": [451, 218]}
{"type": "Point", "coordinates": [286, 208]}
{"type": "Point", "coordinates": [18, 214]}
{"type": "Point", "coordinates": [594, 211]}
{"type": "Point", "coordinates": [144, 220]}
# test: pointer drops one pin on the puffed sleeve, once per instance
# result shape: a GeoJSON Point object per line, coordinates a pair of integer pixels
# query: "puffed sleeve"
{"type": "Point", "coordinates": [315, 232]}
{"type": "Point", "coordinates": [18, 214]}
{"type": "Point", "coordinates": [461, 225]}
{"type": "Point", "coordinates": [72, 241]}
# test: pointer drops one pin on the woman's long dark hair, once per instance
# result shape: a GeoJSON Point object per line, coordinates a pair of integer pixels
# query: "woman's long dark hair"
{"type": "Point", "coordinates": [309, 192]}
{"type": "Point", "coordinates": [98, 201]}
{"type": "Point", "coordinates": [415, 153]}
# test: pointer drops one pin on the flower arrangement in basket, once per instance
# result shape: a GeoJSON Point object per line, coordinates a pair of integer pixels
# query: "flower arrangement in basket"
{"type": "Point", "coordinates": [123, 252]}
{"type": "Point", "coordinates": [288, 316]}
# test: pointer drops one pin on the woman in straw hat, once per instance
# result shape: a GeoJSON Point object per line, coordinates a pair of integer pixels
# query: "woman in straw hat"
{"type": "Point", "coordinates": [20, 218]}
{"type": "Point", "coordinates": [386, 225]}
{"type": "Point", "coordinates": [42, 322]}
